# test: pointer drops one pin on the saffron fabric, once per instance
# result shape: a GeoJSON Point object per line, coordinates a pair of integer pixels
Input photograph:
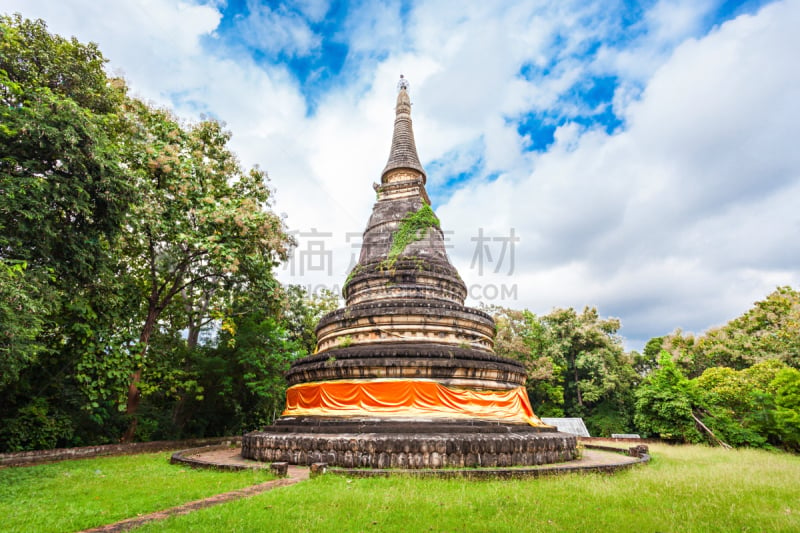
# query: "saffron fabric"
{"type": "Point", "coordinates": [407, 398]}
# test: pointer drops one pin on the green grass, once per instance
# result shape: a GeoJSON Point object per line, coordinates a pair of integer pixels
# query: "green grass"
{"type": "Point", "coordinates": [74, 495]}
{"type": "Point", "coordinates": [686, 488]}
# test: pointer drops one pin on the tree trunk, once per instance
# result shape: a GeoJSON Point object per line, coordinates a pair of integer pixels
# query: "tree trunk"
{"type": "Point", "coordinates": [707, 430]}
{"type": "Point", "coordinates": [193, 337]}
{"type": "Point", "coordinates": [134, 394]}
{"type": "Point", "coordinates": [196, 310]}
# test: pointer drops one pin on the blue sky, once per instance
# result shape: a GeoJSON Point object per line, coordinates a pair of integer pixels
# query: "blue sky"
{"type": "Point", "coordinates": [642, 153]}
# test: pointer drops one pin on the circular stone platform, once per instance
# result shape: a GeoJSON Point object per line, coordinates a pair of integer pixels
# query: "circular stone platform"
{"type": "Point", "coordinates": [592, 460]}
{"type": "Point", "coordinates": [410, 444]}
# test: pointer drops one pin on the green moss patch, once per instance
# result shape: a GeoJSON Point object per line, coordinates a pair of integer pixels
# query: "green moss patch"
{"type": "Point", "coordinates": [350, 276]}
{"type": "Point", "coordinates": [413, 227]}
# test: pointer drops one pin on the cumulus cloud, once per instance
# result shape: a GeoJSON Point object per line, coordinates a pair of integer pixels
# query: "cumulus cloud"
{"type": "Point", "coordinates": [280, 29]}
{"type": "Point", "coordinates": [685, 217]}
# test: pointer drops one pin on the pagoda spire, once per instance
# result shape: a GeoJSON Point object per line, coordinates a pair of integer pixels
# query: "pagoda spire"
{"type": "Point", "coordinates": [403, 153]}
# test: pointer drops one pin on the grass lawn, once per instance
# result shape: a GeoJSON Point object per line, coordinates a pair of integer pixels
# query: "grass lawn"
{"type": "Point", "coordinates": [685, 488]}
{"type": "Point", "coordinates": [74, 495]}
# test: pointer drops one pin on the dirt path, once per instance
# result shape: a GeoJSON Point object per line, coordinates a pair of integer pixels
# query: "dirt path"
{"type": "Point", "coordinates": [296, 474]}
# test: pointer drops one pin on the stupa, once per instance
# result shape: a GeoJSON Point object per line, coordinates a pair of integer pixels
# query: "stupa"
{"type": "Point", "coordinates": [405, 376]}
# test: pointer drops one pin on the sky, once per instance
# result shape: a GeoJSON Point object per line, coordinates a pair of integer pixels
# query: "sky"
{"type": "Point", "coordinates": [638, 157]}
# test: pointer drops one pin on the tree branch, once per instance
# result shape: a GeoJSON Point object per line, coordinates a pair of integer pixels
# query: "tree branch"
{"type": "Point", "coordinates": [705, 428]}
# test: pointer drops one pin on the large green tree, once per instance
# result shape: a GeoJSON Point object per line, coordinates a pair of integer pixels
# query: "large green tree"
{"type": "Point", "coordinates": [233, 380]}
{"type": "Point", "coordinates": [202, 229]}
{"type": "Point", "coordinates": [664, 404]}
{"type": "Point", "coordinates": [576, 365]}
{"type": "Point", "coordinates": [65, 193]}
{"type": "Point", "coordinates": [121, 230]}
{"type": "Point", "coordinates": [755, 407]}
{"type": "Point", "coordinates": [522, 336]}
{"type": "Point", "coordinates": [787, 403]}
{"type": "Point", "coordinates": [65, 187]}
{"type": "Point", "coordinates": [735, 396]}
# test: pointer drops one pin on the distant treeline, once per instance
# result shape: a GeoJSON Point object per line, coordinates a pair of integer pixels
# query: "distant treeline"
{"type": "Point", "coordinates": [736, 385]}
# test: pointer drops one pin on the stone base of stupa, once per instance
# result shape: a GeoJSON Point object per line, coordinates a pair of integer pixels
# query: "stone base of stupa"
{"type": "Point", "coordinates": [407, 444]}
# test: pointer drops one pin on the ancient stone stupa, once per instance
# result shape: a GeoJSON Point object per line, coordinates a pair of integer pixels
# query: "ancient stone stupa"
{"type": "Point", "coordinates": [404, 375]}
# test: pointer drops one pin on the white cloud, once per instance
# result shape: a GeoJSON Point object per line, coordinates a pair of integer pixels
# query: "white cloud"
{"type": "Point", "coordinates": [276, 30]}
{"type": "Point", "coordinates": [374, 28]}
{"type": "Point", "coordinates": [686, 217]}
{"type": "Point", "coordinates": [314, 10]}
{"type": "Point", "coordinates": [674, 20]}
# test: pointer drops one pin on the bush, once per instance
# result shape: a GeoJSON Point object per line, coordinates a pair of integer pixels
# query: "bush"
{"type": "Point", "coordinates": [664, 404]}
{"type": "Point", "coordinates": [36, 427]}
{"type": "Point", "coordinates": [787, 407]}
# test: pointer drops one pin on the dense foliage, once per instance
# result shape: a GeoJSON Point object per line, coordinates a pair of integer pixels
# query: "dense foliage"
{"type": "Point", "coordinates": [756, 406]}
{"type": "Point", "coordinates": [124, 234]}
{"type": "Point", "coordinates": [737, 385]}
{"type": "Point", "coordinates": [770, 330]}
{"type": "Point", "coordinates": [577, 366]}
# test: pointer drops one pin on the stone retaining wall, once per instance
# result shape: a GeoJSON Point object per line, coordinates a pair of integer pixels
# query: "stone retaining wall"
{"type": "Point", "coordinates": [590, 440]}
{"type": "Point", "coordinates": [495, 473]}
{"type": "Point", "coordinates": [411, 451]}
{"type": "Point", "coordinates": [60, 454]}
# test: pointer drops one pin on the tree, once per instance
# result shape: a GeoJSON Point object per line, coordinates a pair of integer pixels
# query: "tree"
{"type": "Point", "coordinates": [202, 226]}
{"type": "Point", "coordinates": [598, 374]}
{"type": "Point", "coordinates": [787, 401]}
{"type": "Point", "coordinates": [65, 193]}
{"type": "Point", "coordinates": [664, 404]}
{"type": "Point", "coordinates": [647, 361]}
{"type": "Point", "coordinates": [241, 375]}
{"type": "Point", "coordinates": [120, 229]}
{"type": "Point", "coordinates": [734, 368]}
{"type": "Point", "coordinates": [738, 405]}
{"type": "Point", "coordinates": [521, 336]}
{"type": "Point", "coordinates": [721, 406]}
{"type": "Point", "coordinates": [302, 312]}
{"type": "Point", "coordinates": [65, 188]}
{"type": "Point", "coordinates": [576, 364]}
{"type": "Point", "coordinates": [770, 330]}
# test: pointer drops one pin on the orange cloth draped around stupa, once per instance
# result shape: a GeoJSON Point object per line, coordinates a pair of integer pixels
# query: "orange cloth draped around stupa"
{"type": "Point", "coordinates": [407, 398]}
